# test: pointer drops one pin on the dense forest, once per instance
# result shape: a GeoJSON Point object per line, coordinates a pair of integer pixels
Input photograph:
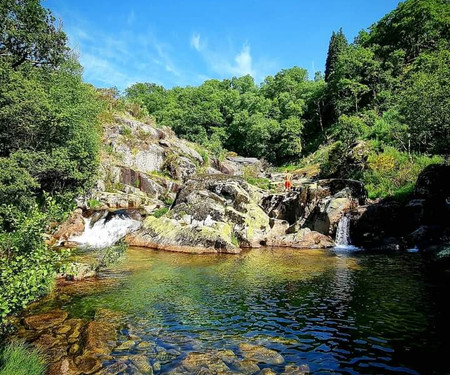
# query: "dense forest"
{"type": "Point", "coordinates": [379, 113]}
{"type": "Point", "coordinates": [387, 93]}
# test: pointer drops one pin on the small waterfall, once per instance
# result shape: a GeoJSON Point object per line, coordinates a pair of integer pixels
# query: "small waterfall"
{"type": "Point", "coordinates": [343, 234]}
{"type": "Point", "coordinates": [107, 230]}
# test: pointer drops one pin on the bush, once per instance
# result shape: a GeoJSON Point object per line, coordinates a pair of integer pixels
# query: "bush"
{"type": "Point", "coordinates": [28, 266]}
{"type": "Point", "coordinates": [18, 359]}
{"type": "Point", "coordinates": [160, 212]}
{"type": "Point", "coordinates": [394, 173]}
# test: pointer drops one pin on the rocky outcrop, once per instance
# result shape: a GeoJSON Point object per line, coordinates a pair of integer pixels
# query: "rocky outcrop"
{"type": "Point", "coordinates": [422, 222]}
{"type": "Point", "coordinates": [317, 205]}
{"type": "Point", "coordinates": [222, 214]}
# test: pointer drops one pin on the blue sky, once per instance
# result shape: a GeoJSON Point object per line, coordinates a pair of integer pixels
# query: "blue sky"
{"type": "Point", "coordinates": [184, 42]}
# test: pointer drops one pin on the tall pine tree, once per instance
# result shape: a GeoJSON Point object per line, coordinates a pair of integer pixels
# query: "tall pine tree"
{"type": "Point", "coordinates": [338, 43]}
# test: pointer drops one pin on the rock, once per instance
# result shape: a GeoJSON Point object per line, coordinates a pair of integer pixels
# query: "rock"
{"type": "Point", "coordinates": [88, 363]}
{"type": "Point", "coordinates": [141, 181]}
{"type": "Point", "coordinates": [114, 369]}
{"type": "Point", "coordinates": [305, 238]}
{"type": "Point", "coordinates": [71, 227]}
{"type": "Point", "coordinates": [144, 345]}
{"type": "Point", "coordinates": [76, 329]}
{"type": "Point", "coordinates": [195, 361]}
{"type": "Point", "coordinates": [80, 271]}
{"type": "Point", "coordinates": [64, 366]}
{"type": "Point", "coordinates": [296, 370]}
{"type": "Point", "coordinates": [246, 366]}
{"type": "Point", "coordinates": [260, 354]}
{"type": "Point", "coordinates": [433, 182]}
{"type": "Point", "coordinates": [100, 337]}
{"type": "Point", "coordinates": [157, 366]}
{"type": "Point", "coordinates": [46, 320]}
{"type": "Point", "coordinates": [74, 349]}
{"type": "Point", "coordinates": [47, 341]}
{"type": "Point", "coordinates": [125, 346]}
{"type": "Point", "coordinates": [108, 316]}
{"type": "Point", "coordinates": [267, 371]}
{"type": "Point", "coordinates": [142, 364]}
{"type": "Point", "coordinates": [210, 214]}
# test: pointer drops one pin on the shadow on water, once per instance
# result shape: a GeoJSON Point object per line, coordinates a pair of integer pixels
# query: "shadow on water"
{"type": "Point", "coordinates": [341, 312]}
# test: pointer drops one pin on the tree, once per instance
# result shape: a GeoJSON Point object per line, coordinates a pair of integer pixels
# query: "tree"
{"type": "Point", "coordinates": [28, 34]}
{"type": "Point", "coordinates": [338, 43]}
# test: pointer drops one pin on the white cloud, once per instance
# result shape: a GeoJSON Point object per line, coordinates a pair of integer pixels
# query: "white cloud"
{"type": "Point", "coordinates": [195, 42]}
{"type": "Point", "coordinates": [243, 62]}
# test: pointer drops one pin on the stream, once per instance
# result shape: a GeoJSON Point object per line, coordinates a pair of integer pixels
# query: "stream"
{"type": "Point", "coordinates": [341, 312]}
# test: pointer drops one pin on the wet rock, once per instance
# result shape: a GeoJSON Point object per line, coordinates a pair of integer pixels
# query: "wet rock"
{"type": "Point", "coordinates": [108, 316]}
{"type": "Point", "coordinates": [74, 349]}
{"type": "Point", "coordinates": [144, 345]}
{"type": "Point", "coordinates": [47, 320]}
{"type": "Point", "coordinates": [267, 371]}
{"type": "Point", "coordinates": [246, 366]}
{"type": "Point", "coordinates": [157, 366]}
{"type": "Point", "coordinates": [47, 341]}
{"type": "Point", "coordinates": [296, 370]}
{"type": "Point", "coordinates": [88, 363]}
{"type": "Point", "coordinates": [260, 354]}
{"type": "Point", "coordinates": [71, 227]}
{"type": "Point", "coordinates": [195, 361]}
{"type": "Point", "coordinates": [64, 329]}
{"type": "Point", "coordinates": [76, 329]}
{"type": "Point", "coordinates": [126, 345]}
{"type": "Point", "coordinates": [305, 238]}
{"type": "Point", "coordinates": [142, 364]}
{"type": "Point", "coordinates": [55, 353]}
{"type": "Point", "coordinates": [114, 369]}
{"type": "Point", "coordinates": [100, 337]}
{"type": "Point", "coordinates": [227, 356]}
{"type": "Point", "coordinates": [64, 366]}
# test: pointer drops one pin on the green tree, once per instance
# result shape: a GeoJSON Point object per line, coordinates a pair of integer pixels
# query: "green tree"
{"type": "Point", "coordinates": [28, 33]}
{"type": "Point", "coordinates": [338, 43]}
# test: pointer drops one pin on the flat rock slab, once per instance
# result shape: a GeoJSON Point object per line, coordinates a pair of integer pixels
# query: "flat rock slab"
{"type": "Point", "coordinates": [260, 354]}
{"type": "Point", "coordinates": [47, 320]}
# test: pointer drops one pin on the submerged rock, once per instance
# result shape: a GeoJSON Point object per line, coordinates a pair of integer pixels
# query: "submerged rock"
{"type": "Point", "coordinates": [260, 354]}
{"type": "Point", "coordinates": [46, 320]}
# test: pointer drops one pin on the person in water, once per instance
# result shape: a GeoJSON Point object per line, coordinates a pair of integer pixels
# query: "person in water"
{"type": "Point", "coordinates": [287, 181]}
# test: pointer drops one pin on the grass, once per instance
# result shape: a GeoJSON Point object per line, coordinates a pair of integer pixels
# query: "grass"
{"type": "Point", "coordinates": [160, 212]}
{"type": "Point", "coordinates": [17, 359]}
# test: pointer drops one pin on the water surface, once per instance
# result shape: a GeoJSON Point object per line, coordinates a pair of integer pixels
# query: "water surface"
{"type": "Point", "coordinates": [341, 313]}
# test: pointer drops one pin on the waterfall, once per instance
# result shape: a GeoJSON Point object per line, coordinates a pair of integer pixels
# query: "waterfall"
{"type": "Point", "coordinates": [107, 230]}
{"type": "Point", "coordinates": [343, 234]}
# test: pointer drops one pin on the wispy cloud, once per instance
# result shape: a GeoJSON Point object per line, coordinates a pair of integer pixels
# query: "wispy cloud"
{"type": "Point", "coordinates": [225, 62]}
{"type": "Point", "coordinates": [195, 42]}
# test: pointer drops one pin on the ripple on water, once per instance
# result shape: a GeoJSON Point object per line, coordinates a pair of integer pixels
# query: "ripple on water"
{"type": "Point", "coordinates": [349, 314]}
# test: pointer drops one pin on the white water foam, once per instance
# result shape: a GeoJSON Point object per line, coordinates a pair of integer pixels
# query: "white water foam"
{"type": "Point", "coordinates": [104, 233]}
{"type": "Point", "coordinates": [342, 240]}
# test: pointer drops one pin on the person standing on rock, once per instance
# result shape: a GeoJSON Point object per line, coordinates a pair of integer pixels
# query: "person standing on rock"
{"type": "Point", "coordinates": [287, 180]}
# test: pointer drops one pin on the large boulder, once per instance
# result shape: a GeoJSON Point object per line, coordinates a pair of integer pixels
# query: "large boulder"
{"type": "Point", "coordinates": [318, 206]}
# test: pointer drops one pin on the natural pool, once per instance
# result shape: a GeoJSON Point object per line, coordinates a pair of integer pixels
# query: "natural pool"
{"type": "Point", "coordinates": [336, 312]}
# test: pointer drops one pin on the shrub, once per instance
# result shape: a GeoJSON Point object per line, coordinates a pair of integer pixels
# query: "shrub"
{"type": "Point", "coordinates": [27, 266]}
{"type": "Point", "coordinates": [394, 173]}
{"type": "Point", "coordinates": [160, 212]}
{"type": "Point", "coordinates": [17, 359]}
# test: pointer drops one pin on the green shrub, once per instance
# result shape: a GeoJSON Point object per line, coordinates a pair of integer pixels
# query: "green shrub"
{"type": "Point", "coordinates": [94, 203]}
{"type": "Point", "coordinates": [394, 173]}
{"type": "Point", "coordinates": [28, 266]}
{"type": "Point", "coordinates": [160, 212]}
{"type": "Point", "coordinates": [17, 359]}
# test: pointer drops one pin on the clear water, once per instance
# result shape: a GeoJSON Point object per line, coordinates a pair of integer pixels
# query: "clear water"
{"type": "Point", "coordinates": [340, 313]}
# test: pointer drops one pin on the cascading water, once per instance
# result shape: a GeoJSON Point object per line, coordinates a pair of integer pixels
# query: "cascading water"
{"type": "Point", "coordinates": [106, 231]}
{"type": "Point", "coordinates": [343, 234]}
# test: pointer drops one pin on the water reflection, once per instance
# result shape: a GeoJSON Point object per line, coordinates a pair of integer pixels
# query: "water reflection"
{"type": "Point", "coordinates": [347, 313]}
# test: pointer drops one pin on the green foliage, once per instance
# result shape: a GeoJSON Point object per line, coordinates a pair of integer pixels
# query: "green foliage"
{"type": "Point", "coordinates": [94, 203]}
{"type": "Point", "coordinates": [18, 359]}
{"type": "Point", "coordinates": [27, 266]}
{"type": "Point", "coordinates": [160, 212]}
{"type": "Point", "coordinates": [338, 43]}
{"type": "Point", "coordinates": [392, 172]}
{"type": "Point", "coordinates": [250, 174]}
{"type": "Point", "coordinates": [28, 34]}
